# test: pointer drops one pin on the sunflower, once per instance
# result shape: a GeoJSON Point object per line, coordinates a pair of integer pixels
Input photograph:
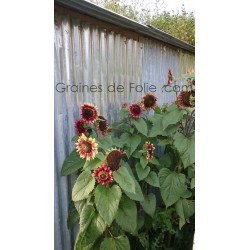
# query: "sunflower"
{"type": "Point", "coordinates": [114, 157]}
{"type": "Point", "coordinates": [103, 174]}
{"type": "Point", "coordinates": [150, 150]}
{"type": "Point", "coordinates": [79, 126]}
{"type": "Point", "coordinates": [149, 101]}
{"type": "Point", "coordinates": [135, 110]}
{"type": "Point", "coordinates": [86, 147]}
{"type": "Point", "coordinates": [186, 99]}
{"type": "Point", "coordinates": [102, 125]}
{"type": "Point", "coordinates": [89, 113]}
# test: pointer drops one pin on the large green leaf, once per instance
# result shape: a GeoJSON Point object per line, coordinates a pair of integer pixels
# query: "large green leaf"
{"type": "Point", "coordinates": [126, 216]}
{"type": "Point", "coordinates": [79, 205]}
{"type": "Point", "coordinates": [140, 125]}
{"type": "Point", "coordinates": [143, 161]}
{"type": "Point", "coordinates": [122, 141]}
{"type": "Point", "coordinates": [141, 173]}
{"type": "Point", "coordinates": [124, 179]}
{"type": "Point", "coordinates": [152, 179]}
{"type": "Point", "coordinates": [137, 195]}
{"type": "Point", "coordinates": [149, 204]}
{"type": "Point", "coordinates": [123, 112]}
{"type": "Point", "coordinates": [155, 162]}
{"type": "Point", "coordinates": [94, 163]}
{"type": "Point", "coordinates": [106, 143]}
{"type": "Point", "coordinates": [83, 187]}
{"type": "Point", "coordinates": [184, 208]}
{"type": "Point", "coordinates": [172, 117]}
{"type": "Point", "coordinates": [117, 243]}
{"type": "Point", "coordinates": [86, 239]}
{"type": "Point", "coordinates": [86, 216]}
{"type": "Point", "coordinates": [107, 201]}
{"type": "Point", "coordinates": [172, 186]}
{"type": "Point", "coordinates": [72, 163]}
{"type": "Point", "coordinates": [186, 148]}
{"type": "Point", "coordinates": [73, 216]}
{"type": "Point", "coordinates": [157, 128]}
{"type": "Point", "coordinates": [133, 141]}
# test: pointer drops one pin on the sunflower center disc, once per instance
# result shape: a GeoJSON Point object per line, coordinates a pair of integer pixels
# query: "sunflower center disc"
{"type": "Point", "coordinates": [87, 147]}
{"type": "Point", "coordinates": [89, 113]}
{"type": "Point", "coordinates": [103, 176]}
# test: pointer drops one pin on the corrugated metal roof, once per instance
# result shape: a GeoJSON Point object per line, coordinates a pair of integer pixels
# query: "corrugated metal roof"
{"type": "Point", "coordinates": [100, 13]}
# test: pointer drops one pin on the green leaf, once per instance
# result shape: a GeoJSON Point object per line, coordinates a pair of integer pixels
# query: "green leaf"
{"type": "Point", "coordinates": [141, 173]}
{"type": "Point", "coordinates": [94, 163]}
{"type": "Point", "coordinates": [182, 222]}
{"type": "Point", "coordinates": [143, 161]}
{"type": "Point", "coordinates": [86, 239]}
{"type": "Point", "coordinates": [138, 195]}
{"type": "Point", "coordinates": [123, 112]}
{"type": "Point", "coordinates": [157, 128]}
{"type": "Point", "coordinates": [149, 204]}
{"type": "Point", "coordinates": [83, 187]}
{"type": "Point", "coordinates": [184, 208]}
{"type": "Point", "coordinates": [100, 156]}
{"type": "Point", "coordinates": [192, 184]}
{"type": "Point", "coordinates": [73, 216]}
{"type": "Point", "coordinates": [137, 154]}
{"type": "Point", "coordinates": [122, 141]}
{"type": "Point", "coordinates": [172, 117]}
{"type": "Point", "coordinates": [152, 179]}
{"type": "Point", "coordinates": [106, 143]}
{"type": "Point", "coordinates": [172, 186]}
{"type": "Point", "coordinates": [107, 201]}
{"type": "Point", "coordinates": [124, 179]}
{"type": "Point", "coordinates": [140, 222]}
{"type": "Point", "coordinates": [86, 216]}
{"type": "Point", "coordinates": [186, 148]}
{"type": "Point", "coordinates": [186, 194]}
{"type": "Point", "coordinates": [157, 110]}
{"type": "Point", "coordinates": [126, 216]}
{"type": "Point", "coordinates": [117, 243]}
{"type": "Point", "coordinates": [75, 138]}
{"type": "Point", "coordinates": [72, 163]}
{"type": "Point", "coordinates": [155, 162]}
{"type": "Point", "coordinates": [140, 125]}
{"type": "Point", "coordinates": [79, 205]}
{"type": "Point", "coordinates": [171, 129]}
{"type": "Point", "coordinates": [134, 141]}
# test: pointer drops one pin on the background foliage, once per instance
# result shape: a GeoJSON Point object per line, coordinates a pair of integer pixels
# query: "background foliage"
{"type": "Point", "coordinates": [179, 23]}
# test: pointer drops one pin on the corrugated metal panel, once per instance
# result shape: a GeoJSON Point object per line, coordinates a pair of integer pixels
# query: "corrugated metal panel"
{"type": "Point", "coordinates": [85, 54]}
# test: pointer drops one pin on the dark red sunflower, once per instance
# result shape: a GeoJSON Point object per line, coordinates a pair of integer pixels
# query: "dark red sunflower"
{"type": "Point", "coordinates": [79, 126]}
{"type": "Point", "coordinates": [114, 157]}
{"type": "Point", "coordinates": [86, 147]}
{"type": "Point", "coordinates": [150, 150]}
{"type": "Point", "coordinates": [149, 101]}
{"type": "Point", "coordinates": [103, 174]}
{"type": "Point", "coordinates": [89, 113]}
{"type": "Point", "coordinates": [170, 77]}
{"type": "Point", "coordinates": [186, 99]}
{"type": "Point", "coordinates": [102, 125]}
{"type": "Point", "coordinates": [135, 110]}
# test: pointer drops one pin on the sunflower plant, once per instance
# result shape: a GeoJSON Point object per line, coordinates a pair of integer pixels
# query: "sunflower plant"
{"type": "Point", "coordinates": [135, 178]}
